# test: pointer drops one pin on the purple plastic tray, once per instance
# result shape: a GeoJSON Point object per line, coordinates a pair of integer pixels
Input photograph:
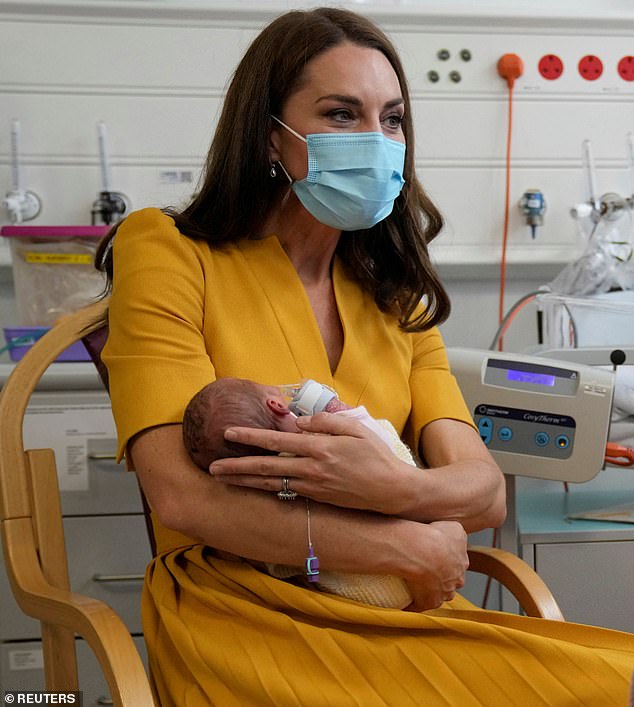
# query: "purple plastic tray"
{"type": "Point", "coordinates": [20, 340]}
{"type": "Point", "coordinates": [54, 231]}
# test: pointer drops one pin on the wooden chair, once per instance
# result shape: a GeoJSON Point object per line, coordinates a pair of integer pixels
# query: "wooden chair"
{"type": "Point", "coordinates": [35, 553]}
{"type": "Point", "coordinates": [33, 539]}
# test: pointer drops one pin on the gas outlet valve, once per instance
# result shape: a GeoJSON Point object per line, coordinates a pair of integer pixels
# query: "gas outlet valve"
{"type": "Point", "coordinates": [533, 205]}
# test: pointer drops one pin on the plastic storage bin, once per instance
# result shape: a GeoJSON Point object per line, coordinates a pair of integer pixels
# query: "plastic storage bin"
{"type": "Point", "coordinates": [20, 339]}
{"type": "Point", "coordinates": [598, 320]}
{"type": "Point", "coordinates": [53, 271]}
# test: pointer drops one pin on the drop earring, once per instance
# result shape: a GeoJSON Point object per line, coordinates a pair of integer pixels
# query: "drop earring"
{"type": "Point", "coordinates": [273, 171]}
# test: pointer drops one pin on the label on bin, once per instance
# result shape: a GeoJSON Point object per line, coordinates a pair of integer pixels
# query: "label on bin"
{"type": "Point", "coordinates": [59, 258]}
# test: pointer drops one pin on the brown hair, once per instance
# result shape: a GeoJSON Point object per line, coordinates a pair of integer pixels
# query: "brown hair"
{"type": "Point", "coordinates": [390, 260]}
{"type": "Point", "coordinates": [221, 404]}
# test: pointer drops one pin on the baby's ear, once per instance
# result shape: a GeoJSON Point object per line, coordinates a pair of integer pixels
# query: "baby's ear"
{"type": "Point", "coordinates": [277, 406]}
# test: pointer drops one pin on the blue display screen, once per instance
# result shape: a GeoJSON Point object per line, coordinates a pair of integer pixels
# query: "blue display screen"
{"type": "Point", "coordinates": [530, 377]}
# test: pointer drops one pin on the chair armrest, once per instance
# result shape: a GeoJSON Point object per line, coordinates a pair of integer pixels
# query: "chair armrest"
{"type": "Point", "coordinates": [518, 577]}
{"type": "Point", "coordinates": [90, 618]}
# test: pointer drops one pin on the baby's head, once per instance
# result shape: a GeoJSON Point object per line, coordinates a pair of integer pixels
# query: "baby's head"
{"type": "Point", "coordinates": [232, 402]}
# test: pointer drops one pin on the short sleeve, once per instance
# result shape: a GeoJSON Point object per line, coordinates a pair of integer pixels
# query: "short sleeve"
{"type": "Point", "coordinates": [434, 390]}
{"type": "Point", "coordinates": [155, 353]}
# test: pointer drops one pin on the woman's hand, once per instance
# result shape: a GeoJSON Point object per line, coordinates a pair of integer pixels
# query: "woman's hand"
{"type": "Point", "coordinates": [341, 463]}
{"type": "Point", "coordinates": [445, 562]}
{"type": "Point", "coordinates": [345, 464]}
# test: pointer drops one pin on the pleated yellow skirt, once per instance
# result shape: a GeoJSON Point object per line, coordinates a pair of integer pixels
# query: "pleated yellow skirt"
{"type": "Point", "coordinates": [222, 633]}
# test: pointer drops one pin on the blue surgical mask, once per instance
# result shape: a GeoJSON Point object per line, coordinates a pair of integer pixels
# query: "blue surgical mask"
{"type": "Point", "coordinates": [353, 178]}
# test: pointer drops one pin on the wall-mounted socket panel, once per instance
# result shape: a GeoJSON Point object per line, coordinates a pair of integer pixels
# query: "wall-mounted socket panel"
{"type": "Point", "coordinates": [598, 65]}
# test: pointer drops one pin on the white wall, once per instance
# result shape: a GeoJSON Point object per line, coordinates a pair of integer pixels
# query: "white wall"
{"type": "Point", "coordinates": [156, 71]}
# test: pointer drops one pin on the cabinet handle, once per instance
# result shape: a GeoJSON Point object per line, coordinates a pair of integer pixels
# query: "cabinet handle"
{"type": "Point", "coordinates": [104, 701]}
{"type": "Point", "coordinates": [105, 578]}
{"type": "Point", "coordinates": [104, 455]}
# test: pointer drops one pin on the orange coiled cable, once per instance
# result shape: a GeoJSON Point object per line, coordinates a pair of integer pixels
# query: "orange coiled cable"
{"type": "Point", "coordinates": [618, 454]}
{"type": "Point", "coordinates": [507, 197]}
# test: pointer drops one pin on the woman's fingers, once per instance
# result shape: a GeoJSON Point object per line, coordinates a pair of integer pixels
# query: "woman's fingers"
{"type": "Point", "coordinates": [274, 484]}
{"type": "Point", "coordinates": [271, 440]}
{"type": "Point", "coordinates": [299, 445]}
{"type": "Point", "coordinates": [332, 462]}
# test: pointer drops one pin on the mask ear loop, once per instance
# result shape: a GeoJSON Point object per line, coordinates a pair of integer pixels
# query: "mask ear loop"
{"type": "Point", "coordinates": [288, 176]}
{"type": "Point", "coordinates": [290, 130]}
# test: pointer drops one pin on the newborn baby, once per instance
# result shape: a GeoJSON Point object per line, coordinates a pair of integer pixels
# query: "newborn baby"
{"type": "Point", "coordinates": [236, 402]}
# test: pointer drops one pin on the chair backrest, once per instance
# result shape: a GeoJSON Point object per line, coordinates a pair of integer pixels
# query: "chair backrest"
{"type": "Point", "coordinates": [33, 536]}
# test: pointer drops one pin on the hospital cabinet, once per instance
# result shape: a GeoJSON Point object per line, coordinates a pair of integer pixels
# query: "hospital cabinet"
{"type": "Point", "coordinates": [106, 537]}
{"type": "Point", "coordinates": [587, 564]}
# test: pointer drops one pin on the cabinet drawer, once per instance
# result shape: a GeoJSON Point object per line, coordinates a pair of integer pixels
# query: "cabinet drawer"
{"type": "Point", "coordinates": [107, 556]}
{"type": "Point", "coordinates": [111, 488]}
{"type": "Point", "coordinates": [21, 669]}
{"type": "Point", "coordinates": [591, 581]}
{"type": "Point", "coordinates": [79, 427]}
{"type": "Point", "coordinates": [22, 666]}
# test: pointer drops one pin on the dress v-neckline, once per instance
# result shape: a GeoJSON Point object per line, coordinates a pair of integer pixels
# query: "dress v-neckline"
{"type": "Point", "coordinates": [289, 301]}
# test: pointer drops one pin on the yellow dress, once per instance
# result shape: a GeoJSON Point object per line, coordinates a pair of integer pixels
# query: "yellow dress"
{"type": "Point", "coordinates": [222, 633]}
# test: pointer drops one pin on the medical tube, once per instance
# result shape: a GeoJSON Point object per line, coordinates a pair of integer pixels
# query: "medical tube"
{"type": "Point", "coordinates": [588, 168]}
{"type": "Point", "coordinates": [16, 179]}
{"type": "Point", "coordinates": [102, 137]}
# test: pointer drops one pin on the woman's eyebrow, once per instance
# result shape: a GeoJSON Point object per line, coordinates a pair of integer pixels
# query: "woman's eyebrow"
{"type": "Point", "coordinates": [353, 100]}
{"type": "Point", "coordinates": [394, 102]}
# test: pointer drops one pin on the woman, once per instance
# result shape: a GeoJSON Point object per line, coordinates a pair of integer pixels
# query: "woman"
{"type": "Point", "coordinates": [306, 257]}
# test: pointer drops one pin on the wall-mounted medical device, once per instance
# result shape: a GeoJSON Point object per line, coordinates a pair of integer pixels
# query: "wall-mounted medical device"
{"type": "Point", "coordinates": [610, 206]}
{"type": "Point", "coordinates": [22, 204]}
{"type": "Point", "coordinates": [110, 206]}
{"type": "Point", "coordinates": [538, 417]}
{"type": "Point", "coordinates": [533, 206]}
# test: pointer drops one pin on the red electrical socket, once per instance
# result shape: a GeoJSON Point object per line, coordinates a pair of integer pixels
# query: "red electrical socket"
{"type": "Point", "coordinates": [590, 67]}
{"type": "Point", "coordinates": [626, 68]}
{"type": "Point", "coordinates": [510, 67]}
{"type": "Point", "coordinates": [550, 67]}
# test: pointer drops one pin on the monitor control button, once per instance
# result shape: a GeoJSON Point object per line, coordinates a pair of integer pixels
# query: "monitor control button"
{"type": "Point", "coordinates": [485, 428]}
{"type": "Point", "coordinates": [541, 439]}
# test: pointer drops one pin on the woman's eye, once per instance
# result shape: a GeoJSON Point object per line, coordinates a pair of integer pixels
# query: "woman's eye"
{"type": "Point", "coordinates": [393, 121]}
{"type": "Point", "coordinates": [340, 115]}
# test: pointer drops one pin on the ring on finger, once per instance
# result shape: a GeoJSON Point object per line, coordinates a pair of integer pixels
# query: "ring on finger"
{"type": "Point", "coordinates": [286, 494]}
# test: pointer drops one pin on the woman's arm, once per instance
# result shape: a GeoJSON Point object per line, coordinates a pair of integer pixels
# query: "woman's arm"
{"type": "Point", "coordinates": [350, 467]}
{"type": "Point", "coordinates": [257, 525]}
{"type": "Point", "coordinates": [462, 481]}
